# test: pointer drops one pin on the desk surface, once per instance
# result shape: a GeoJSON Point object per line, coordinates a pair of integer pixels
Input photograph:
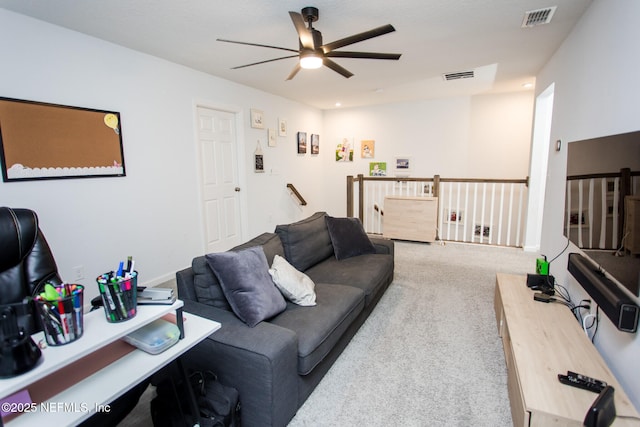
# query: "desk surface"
{"type": "Point", "coordinates": [81, 400]}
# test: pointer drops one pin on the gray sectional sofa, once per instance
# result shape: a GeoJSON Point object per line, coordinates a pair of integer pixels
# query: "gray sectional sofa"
{"type": "Point", "coordinates": [276, 363]}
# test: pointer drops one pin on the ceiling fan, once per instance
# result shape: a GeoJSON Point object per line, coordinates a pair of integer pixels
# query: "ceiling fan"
{"type": "Point", "coordinates": [314, 54]}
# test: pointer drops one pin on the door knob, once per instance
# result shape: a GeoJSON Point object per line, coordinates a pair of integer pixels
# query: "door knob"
{"type": "Point", "coordinates": [237, 189]}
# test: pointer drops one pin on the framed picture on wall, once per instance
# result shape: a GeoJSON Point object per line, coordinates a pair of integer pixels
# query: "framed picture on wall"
{"type": "Point", "coordinates": [49, 141]}
{"type": "Point", "coordinates": [454, 216]}
{"type": "Point", "coordinates": [257, 119]}
{"type": "Point", "coordinates": [344, 150]}
{"type": "Point", "coordinates": [378, 169]}
{"type": "Point", "coordinates": [271, 135]}
{"type": "Point", "coordinates": [402, 166]}
{"type": "Point", "coordinates": [282, 127]}
{"type": "Point", "coordinates": [315, 143]}
{"type": "Point", "coordinates": [367, 149]}
{"type": "Point", "coordinates": [302, 142]}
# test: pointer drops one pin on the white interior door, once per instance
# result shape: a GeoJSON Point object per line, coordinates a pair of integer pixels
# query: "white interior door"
{"type": "Point", "coordinates": [220, 189]}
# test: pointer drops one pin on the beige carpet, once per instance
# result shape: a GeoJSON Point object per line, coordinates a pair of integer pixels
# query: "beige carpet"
{"type": "Point", "coordinates": [429, 354]}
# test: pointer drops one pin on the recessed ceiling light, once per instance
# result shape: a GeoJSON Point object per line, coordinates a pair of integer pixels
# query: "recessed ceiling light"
{"type": "Point", "coordinates": [338, 104]}
{"type": "Point", "coordinates": [527, 85]}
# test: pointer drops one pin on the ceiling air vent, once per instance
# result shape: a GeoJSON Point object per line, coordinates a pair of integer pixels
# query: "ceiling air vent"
{"type": "Point", "coordinates": [459, 75]}
{"type": "Point", "coordinates": [534, 18]}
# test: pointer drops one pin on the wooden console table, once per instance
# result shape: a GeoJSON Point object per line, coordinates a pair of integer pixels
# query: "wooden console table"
{"type": "Point", "coordinates": [542, 340]}
{"type": "Point", "coordinates": [410, 218]}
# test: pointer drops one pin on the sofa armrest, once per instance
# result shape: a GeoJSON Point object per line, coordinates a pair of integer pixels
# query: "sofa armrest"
{"type": "Point", "coordinates": [260, 362]}
{"type": "Point", "coordinates": [184, 284]}
{"type": "Point", "coordinates": [383, 246]}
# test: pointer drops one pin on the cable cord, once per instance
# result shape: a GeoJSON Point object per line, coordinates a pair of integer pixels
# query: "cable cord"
{"type": "Point", "coordinates": [556, 257]}
{"type": "Point", "coordinates": [584, 323]}
{"type": "Point", "coordinates": [597, 322]}
{"type": "Point", "coordinates": [562, 292]}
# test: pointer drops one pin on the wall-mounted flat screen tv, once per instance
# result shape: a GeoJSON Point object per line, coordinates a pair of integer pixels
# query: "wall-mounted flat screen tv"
{"type": "Point", "coordinates": [49, 141]}
{"type": "Point", "coordinates": [602, 206]}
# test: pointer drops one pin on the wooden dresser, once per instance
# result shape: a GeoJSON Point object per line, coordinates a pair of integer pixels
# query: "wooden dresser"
{"type": "Point", "coordinates": [542, 340]}
{"type": "Point", "coordinates": [410, 218]}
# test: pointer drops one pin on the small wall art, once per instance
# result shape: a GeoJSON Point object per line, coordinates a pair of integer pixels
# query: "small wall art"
{"type": "Point", "coordinates": [257, 119]}
{"type": "Point", "coordinates": [258, 159]}
{"type": "Point", "coordinates": [271, 142]}
{"type": "Point", "coordinates": [282, 127]}
{"type": "Point", "coordinates": [378, 169]}
{"type": "Point", "coordinates": [302, 142]}
{"type": "Point", "coordinates": [454, 216]}
{"type": "Point", "coordinates": [344, 151]}
{"type": "Point", "coordinates": [367, 149]}
{"type": "Point", "coordinates": [402, 166]}
{"type": "Point", "coordinates": [315, 143]}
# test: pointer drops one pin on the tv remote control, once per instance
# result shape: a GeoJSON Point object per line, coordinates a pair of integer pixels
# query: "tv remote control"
{"type": "Point", "coordinates": [587, 379]}
{"type": "Point", "coordinates": [595, 387]}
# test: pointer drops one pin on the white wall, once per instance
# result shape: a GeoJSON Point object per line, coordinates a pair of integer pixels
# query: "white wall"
{"type": "Point", "coordinates": [153, 213]}
{"type": "Point", "coordinates": [157, 218]}
{"type": "Point", "coordinates": [485, 136]}
{"type": "Point", "coordinates": [596, 94]}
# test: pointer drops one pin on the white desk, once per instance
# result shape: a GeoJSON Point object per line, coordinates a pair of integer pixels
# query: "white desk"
{"type": "Point", "coordinates": [80, 400]}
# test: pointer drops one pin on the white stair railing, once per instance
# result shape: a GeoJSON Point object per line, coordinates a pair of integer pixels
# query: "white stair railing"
{"type": "Point", "coordinates": [488, 211]}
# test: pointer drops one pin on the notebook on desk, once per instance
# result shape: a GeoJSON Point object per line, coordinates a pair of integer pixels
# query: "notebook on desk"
{"type": "Point", "coordinates": [153, 296]}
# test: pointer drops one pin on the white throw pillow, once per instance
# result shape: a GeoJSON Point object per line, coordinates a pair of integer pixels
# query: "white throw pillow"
{"type": "Point", "coordinates": [296, 286]}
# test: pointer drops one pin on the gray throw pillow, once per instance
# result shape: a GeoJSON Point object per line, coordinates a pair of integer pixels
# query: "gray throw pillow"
{"type": "Point", "coordinates": [245, 281]}
{"type": "Point", "coordinates": [306, 242]}
{"type": "Point", "coordinates": [348, 237]}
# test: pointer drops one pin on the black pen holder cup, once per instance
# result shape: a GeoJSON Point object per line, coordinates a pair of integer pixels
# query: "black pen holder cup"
{"type": "Point", "coordinates": [62, 319]}
{"type": "Point", "coordinates": [119, 297]}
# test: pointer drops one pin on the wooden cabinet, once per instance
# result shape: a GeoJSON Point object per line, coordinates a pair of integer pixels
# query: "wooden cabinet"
{"type": "Point", "coordinates": [632, 224]}
{"type": "Point", "coordinates": [541, 341]}
{"type": "Point", "coordinates": [410, 218]}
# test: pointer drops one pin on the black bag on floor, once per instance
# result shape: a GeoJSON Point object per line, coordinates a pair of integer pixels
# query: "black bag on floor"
{"type": "Point", "coordinates": [219, 405]}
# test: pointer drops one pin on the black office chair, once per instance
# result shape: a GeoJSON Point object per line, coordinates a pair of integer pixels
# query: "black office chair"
{"type": "Point", "coordinates": [26, 264]}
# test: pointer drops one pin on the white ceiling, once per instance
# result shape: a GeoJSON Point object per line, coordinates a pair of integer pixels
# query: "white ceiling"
{"type": "Point", "coordinates": [433, 36]}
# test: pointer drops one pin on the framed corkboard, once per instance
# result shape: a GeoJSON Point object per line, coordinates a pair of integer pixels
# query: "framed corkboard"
{"type": "Point", "coordinates": [49, 141]}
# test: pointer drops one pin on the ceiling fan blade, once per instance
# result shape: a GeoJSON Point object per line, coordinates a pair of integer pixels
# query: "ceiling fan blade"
{"type": "Point", "coordinates": [256, 44]}
{"type": "Point", "coordinates": [337, 68]}
{"type": "Point", "coordinates": [364, 55]}
{"type": "Point", "coordinates": [264, 62]}
{"type": "Point", "coordinates": [358, 38]}
{"type": "Point", "coordinates": [294, 71]}
{"type": "Point", "coordinates": [306, 39]}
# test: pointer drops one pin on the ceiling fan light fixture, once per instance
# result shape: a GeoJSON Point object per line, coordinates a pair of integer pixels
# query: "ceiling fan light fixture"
{"type": "Point", "coordinates": [310, 61]}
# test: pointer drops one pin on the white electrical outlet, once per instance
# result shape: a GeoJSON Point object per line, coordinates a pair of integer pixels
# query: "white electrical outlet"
{"type": "Point", "coordinates": [78, 272]}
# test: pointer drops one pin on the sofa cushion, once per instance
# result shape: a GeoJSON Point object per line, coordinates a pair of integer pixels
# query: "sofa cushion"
{"type": "Point", "coordinates": [270, 242]}
{"type": "Point", "coordinates": [348, 237]}
{"type": "Point", "coordinates": [206, 285]}
{"type": "Point", "coordinates": [245, 281]}
{"type": "Point", "coordinates": [371, 273]}
{"type": "Point", "coordinates": [320, 327]}
{"type": "Point", "coordinates": [306, 242]}
{"type": "Point", "coordinates": [296, 286]}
